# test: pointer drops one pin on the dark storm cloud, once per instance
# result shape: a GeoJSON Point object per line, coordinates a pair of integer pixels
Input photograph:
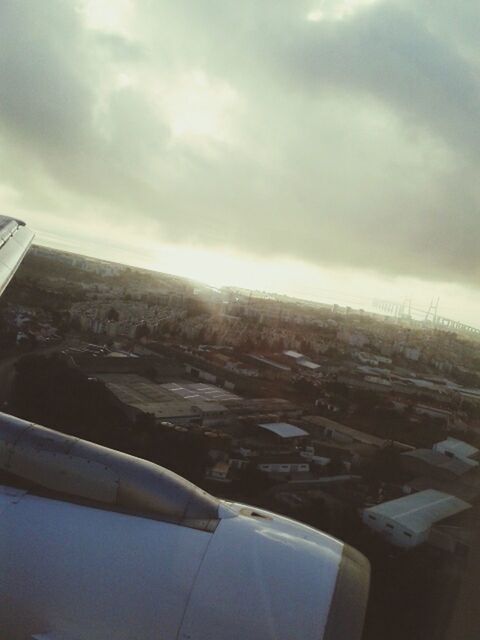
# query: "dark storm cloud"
{"type": "Point", "coordinates": [388, 54]}
{"type": "Point", "coordinates": [352, 141]}
{"type": "Point", "coordinates": [47, 86]}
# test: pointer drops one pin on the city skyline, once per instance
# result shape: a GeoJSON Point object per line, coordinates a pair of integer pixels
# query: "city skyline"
{"type": "Point", "coordinates": [346, 294]}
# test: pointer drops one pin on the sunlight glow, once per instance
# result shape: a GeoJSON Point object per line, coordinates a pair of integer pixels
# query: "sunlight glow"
{"type": "Point", "coordinates": [337, 9]}
{"type": "Point", "coordinates": [199, 107]}
{"type": "Point", "coordinates": [275, 274]}
{"type": "Point", "coordinates": [112, 16]}
{"type": "Point", "coordinates": [344, 286]}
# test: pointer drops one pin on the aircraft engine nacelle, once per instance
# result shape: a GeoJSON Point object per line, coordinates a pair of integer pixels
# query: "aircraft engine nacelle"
{"type": "Point", "coordinates": [265, 576]}
{"type": "Point", "coordinates": [191, 568]}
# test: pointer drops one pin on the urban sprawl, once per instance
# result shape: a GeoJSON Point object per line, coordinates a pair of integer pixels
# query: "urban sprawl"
{"type": "Point", "coordinates": [365, 425]}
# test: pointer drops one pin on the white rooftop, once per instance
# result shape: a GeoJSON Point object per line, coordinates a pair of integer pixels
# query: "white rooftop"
{"type": "Point", "coordinates": [378, 380]}
{"type": "Point", "coordinates": [419, 511]}
{"type": "Point", "coordinates": [458, 448]}
{"type": "Point", "coordinates": [308, 364]}
{"type": "Point", "coordinates": [284, 429]}
{"type": "Point", "coordinates": [293, 354]}
{"type": "Point", "coordinates": [272, 363]}
{"type": "Point", "coordinates": [194, 391]}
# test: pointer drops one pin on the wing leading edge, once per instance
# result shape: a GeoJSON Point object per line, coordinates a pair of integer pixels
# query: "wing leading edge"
{"type": "Point", "coordinates": [15, 240]}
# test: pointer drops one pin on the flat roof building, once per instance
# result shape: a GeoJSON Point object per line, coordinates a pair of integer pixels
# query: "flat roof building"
{"type": "Point", "coordinates": [269, 362]}
{"type": "Point", "coordinates": [308, 364]}
{"type": "Point", "coordinates": [194, 391]}
{"type": "Point", "coordinates": [455, 448]}
{"type": "Point", "coordinates": [406, 522]}
{"type": "Point", "coordinates": [284, 430]}
{"type": "Point", "coordinates": [137, 395]}
{"type": "Point", "coordinates": [293, 354]}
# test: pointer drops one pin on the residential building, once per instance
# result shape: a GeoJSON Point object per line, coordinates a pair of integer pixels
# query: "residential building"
{"type": "Point", "coordinates": [219, 472]}
{"type": "Point", "coordinates": [282, 464]}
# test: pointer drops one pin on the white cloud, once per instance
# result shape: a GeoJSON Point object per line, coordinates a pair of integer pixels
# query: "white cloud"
{"type": "Point", "coordinates": [196, 107]}
{"type": "Point", "coordinates": [111, 16]}
{"type": "Point", "coordinates": [348, 141]}
{"type": "Point", "coordinates": [337, 9]}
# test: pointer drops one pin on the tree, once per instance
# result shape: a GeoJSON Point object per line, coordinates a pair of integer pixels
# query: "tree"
{"type": "Point", "coordinates": [142, 331]}
{"type": "Point", "coordinates": [384, 466]}
{"type": "Point", "coordinates": [251, 481]}
{"type": "Point", "coordinates": [338, 388]}
{"type": "Point", "coordinates": [75, 324]}
{"type": "Point", "coordinates": [113, 314]}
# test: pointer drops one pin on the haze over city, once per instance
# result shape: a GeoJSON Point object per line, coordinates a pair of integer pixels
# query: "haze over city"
{"type": "Point", "coordinates": [326, 150]}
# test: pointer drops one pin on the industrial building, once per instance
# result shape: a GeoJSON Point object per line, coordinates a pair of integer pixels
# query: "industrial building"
{"type": "Point", "coordinates": [406, 522]}
{"type": "Point", "coordinates": [284, 430]}
{"type": "Point", "coordinates": [301, 360]}
{"type": "Point", "coordinates": [425, 462]}
{"type": "Point", "coordinates": [295, 355]}
{"type": "Point", "coordinates": [468, 491]}
{"type": "Point", "coordinates": [137, 395]}
{"type": "Point", "coordinates": [454, 448]}
{"type": "Point", "coordinates": [199, 391]}
{"type": "Point", "coordinates": [343, 434]}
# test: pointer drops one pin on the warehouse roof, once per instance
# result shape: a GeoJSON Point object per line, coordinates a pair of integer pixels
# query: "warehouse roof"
{"type": "Point", "coordinates": [293, 354]}
{"type": "Point", "coordinates": [458, 448]}
{"type": "Point", "coordinates": [284, 429]}
{"type": "Point", "coordinates": [354, 434]}
{"type": "Point", "coordinates": [453, 465]}
{"type": "Point", "coordinates": [269, 362]}
{"type": "Point", "coordinates": [194, 391]}
{"type": "Point", "coordinates": [148, 397]}
{"type": "Point", "coordinates": [468, 492]}
{"type": "Point", "coordinates": [419, 511]}
{"type": "Point", "coordinates": [308, 364]}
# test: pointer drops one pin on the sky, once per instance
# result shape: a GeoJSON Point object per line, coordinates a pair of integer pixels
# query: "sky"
{"type": "Point", "coordinates": [327, 149]}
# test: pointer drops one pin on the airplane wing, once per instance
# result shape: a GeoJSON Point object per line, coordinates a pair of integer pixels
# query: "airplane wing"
{"type": "Point", "coordinates": [15, 240]}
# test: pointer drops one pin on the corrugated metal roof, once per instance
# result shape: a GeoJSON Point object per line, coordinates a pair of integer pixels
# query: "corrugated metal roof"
{"type": "Point", "coordinates": [284, 429]}
{"type": "Point", "coordinates": [419, 511]}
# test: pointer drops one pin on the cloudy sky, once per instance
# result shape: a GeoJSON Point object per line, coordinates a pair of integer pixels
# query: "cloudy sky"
{"type": "Point", "coordinates": [324, 148]}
